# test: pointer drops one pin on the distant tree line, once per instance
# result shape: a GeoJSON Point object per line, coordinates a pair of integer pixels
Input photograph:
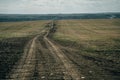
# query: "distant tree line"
{"type": "Point", "coordinates": [31, 17]}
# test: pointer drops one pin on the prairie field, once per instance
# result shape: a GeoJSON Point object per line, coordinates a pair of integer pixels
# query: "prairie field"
{"type": "Point", "coordinates": [85, 49]}
{"type": "Point", "coordinates": [20, 29]}
{"type": "Point", "coordinates": [93, 45]}
{"type": "Point", "coordinates": [13, 38]}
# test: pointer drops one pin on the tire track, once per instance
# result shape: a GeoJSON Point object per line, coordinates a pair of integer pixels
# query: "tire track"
{"type": "Point", "coordinates": [44, 63]}
{"type": "Point", "coordinates": [71, 70]}
{"type": "Point", "coordinates": [25, 67]}
{"type": "Point", "coordinates": [48, 67]}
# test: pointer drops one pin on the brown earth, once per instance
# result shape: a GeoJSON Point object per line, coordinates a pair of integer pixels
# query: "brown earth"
{"type": "Point", "coordinates": [43, 59]}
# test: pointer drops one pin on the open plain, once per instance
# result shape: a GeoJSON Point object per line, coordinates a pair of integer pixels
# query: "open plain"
{"type": "Point", "coordinates": [87, 49]}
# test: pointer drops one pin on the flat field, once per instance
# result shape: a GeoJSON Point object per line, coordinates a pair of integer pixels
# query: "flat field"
{"type": "Point", "coordinates": [86, 49]}
{"type": "Point", "coordinates": [93, 45]}
{"type": "Point", "coordinates": [13, 38]}
{"type": "Point", "coordinates": [20, 29]}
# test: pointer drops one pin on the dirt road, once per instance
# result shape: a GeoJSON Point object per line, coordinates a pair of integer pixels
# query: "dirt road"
{"type": "Point", "coordinates": [44, 60]}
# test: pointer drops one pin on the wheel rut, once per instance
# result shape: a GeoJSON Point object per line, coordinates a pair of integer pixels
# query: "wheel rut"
{"type": "Point", "coordinates": [43, 60]}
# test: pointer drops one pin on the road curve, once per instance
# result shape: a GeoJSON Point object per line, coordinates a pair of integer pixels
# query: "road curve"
{"type": "Point", "coordinates": [70, 68]}
{"type": "Point", "coordinates": [44, 61]}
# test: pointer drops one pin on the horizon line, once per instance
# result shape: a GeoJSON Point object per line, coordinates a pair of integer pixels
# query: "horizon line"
{"type": "Point", "coordinates": [60, 13]}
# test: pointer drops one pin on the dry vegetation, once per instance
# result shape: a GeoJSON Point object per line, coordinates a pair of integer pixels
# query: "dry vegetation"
{"type": "Point", "coordinates": [13, 38]}
{"type": "Point", "coordinates": [85, 30]}
{"type": "Point", "coordinates": [20, 29]}
{"type": "Point", "coordinates": [93, 45]}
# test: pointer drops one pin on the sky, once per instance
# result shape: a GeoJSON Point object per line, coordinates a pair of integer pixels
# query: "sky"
{"type": "Point", "coordinates": [58, 6]}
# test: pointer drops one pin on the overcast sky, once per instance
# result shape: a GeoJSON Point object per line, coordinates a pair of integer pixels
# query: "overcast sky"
{"type": "Point", "coordinates": [58, 6]}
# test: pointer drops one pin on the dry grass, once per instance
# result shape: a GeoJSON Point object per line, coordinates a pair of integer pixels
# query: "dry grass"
{"type": "Point", "coordinates": [14, 36]}
{"type": "Point", "coordinates": [92, 45]}
{"type": "Point", "coordinates": [20, 29]}
{"type": "Point", "coordinates": [97, 44]}
{"type": "Point", "coordinates": [86, 31]}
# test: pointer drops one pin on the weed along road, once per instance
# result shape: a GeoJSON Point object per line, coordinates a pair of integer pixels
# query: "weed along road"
{"type": "Point", "coordinates": [44, 60]}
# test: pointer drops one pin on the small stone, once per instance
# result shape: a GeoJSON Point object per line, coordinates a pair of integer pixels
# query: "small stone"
{"type": "Point", "coordinates": [90, 71]}
{"type": "Point", "coordinates": [51, 74]}
{"type": "Point", "coordinates": [43, 77]}
{"type": "Point", "coordinates": [83, 77]}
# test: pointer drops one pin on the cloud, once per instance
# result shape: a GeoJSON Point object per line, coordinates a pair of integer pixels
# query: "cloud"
{"type": "Point", "coordinates": [59, 6]}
